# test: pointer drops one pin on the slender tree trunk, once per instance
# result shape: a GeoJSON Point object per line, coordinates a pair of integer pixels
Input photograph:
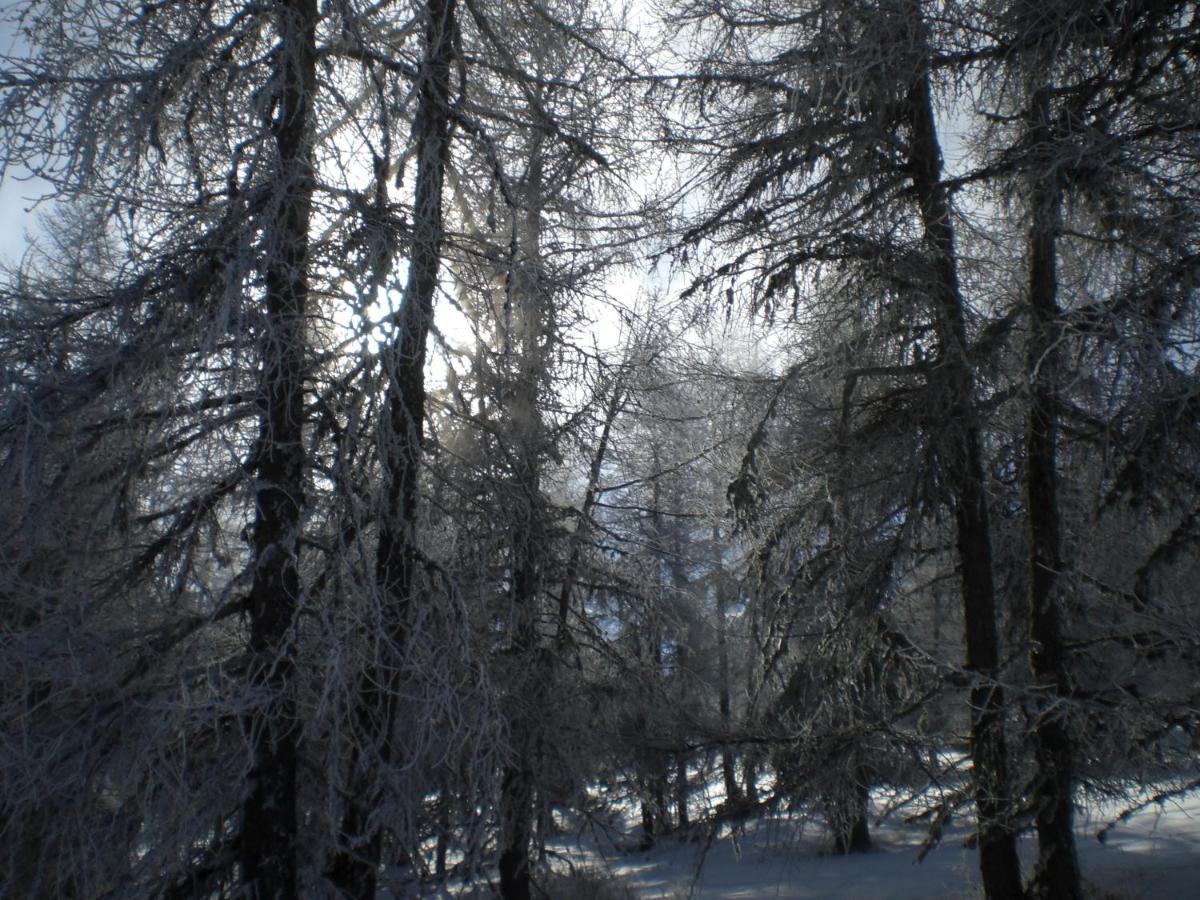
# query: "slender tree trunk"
{"type": "Point", "coordinates": [754, 685]}
{"type": "Point", "coordinates": [733, 793]}
{"type": "Point", "coordinates": [660, 761]}
{"type": "Point", "coordinates": [526, 303]}
{"type": "Point", "coordinates": [268, 842]}
{"type": "Point", "coordinates": [525, 702]}
{"type": "Point", "coordinates": [647, 821]}
{"type": "Point", "coordinates": [750, 777]}
{"type": "Point", "coordinates": [681, 791]}
{"type": "Point", "coordinates": [590, 496]}
{"type": "Point", "coordinates": [354, 868]}
{"type": "Point", "coordinates": [1057, 873]}
{"type": "Point", "coordinates": [960, 447]}
{"type": "Point", "coordinates": [652, 773]}
{"type": "Point", "coordinates": [445, 799]}
{"type": "Point", "coordinates": [672, 558]}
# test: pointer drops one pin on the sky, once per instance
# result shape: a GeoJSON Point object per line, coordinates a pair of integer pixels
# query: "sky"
{"type": "Point", "coordinates": [18, 219]}
{"type": "Point", "coordinates": [17, 192]}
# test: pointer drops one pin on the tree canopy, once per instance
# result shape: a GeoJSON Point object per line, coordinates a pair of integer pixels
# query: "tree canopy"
{"type": "Point", "coordinates": [426, 425]}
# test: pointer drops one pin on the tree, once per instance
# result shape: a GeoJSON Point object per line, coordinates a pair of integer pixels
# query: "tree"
{"type": "Point", "coordinates": [834, 159]}
{"type": "Point", "coordinates": [339, 553]}
{"type": "Point", "coordinates": [1074, 90]}
{"type": "Point", "coordinates": [514, 136]}
{"type": "Point", "coordinates": [353, 868]}
{"type": "Point", "coordinates": [268, 844]}
{"type": "Point", "coordinates": [817, 129]}
{"type": "Point", "coordinates": [198, 142]}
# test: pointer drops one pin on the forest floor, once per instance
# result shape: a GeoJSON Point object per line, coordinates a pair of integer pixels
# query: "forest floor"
{"type": "Point", "coordinates": [1153, 855]}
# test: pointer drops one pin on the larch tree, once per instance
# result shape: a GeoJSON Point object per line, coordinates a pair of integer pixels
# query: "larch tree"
{"type": "Point", "coordinates": [826, 152]}
{"type": "Point", "coordinates": [513, 124]}
{"type": "Point", "coordinates": [1093, 120]}
{"type": "Point", "coordinates": [345, 549]}
{"type": "Point", "coordinates": [938, 304]}
{"type": "Point", "coordinates": [219, 178]}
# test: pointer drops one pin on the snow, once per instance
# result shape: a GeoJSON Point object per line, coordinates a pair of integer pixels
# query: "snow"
{"type": "Point", "coordinates": [1155, 855]}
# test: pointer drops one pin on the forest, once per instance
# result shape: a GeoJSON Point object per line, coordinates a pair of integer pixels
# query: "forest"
{"type": "Point", "coordinates": [431, 426]}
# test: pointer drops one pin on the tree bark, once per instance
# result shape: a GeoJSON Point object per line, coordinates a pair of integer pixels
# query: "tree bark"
{"type": "Point", "coordinates": [354, 867]}
{"type": "Point", "coordinates": [681, 791]}
{"type": "Point", "coordinates": [852, 829]}
{"type": "Point", "coordinates": [733, 792]}
{"type": "Point", "coordinates": [526, 303]}
{"type": "Point", "coordinates": [959, 445]}
{"type": "Point", "coordinates": [1057, 872]}
{"type": "Point", "coordinates": [268, 842]}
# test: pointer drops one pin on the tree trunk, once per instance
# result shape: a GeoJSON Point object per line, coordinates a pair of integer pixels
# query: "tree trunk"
{"type": "Point", "coordinates": [590, 497]}
{"type": "Point", "coordinates": [647, 823]}
{"type": "Point", "coordinates": [354, 867]}
{"type": "Point", "coordinates": [268, 842]}
{"type": "Point", "coordinates": [959, 445]}
{"type": "Point", "coordinates": [733, 793]}
{"type": "Point", "coordinates": [750, 777]}
{"type": "Point", "coordinates": [681, 791]}
{"type": "Point", "coordinates": [851, 820]}
{"type": "Point", "coordinates": [1057, 874]}
{"type": "Point", "coordinates": [526, 303]}
{"type": "Point", "coordinates": [524, 702]}
{"type": "Point", "coordinates": [516, 813]}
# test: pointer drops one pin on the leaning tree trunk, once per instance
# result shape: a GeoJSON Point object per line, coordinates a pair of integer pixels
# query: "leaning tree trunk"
{"type": "Point", "coordinates": [354, 867]}
{"type": "Point", "coordinates": [1057, 873]}
{"type": "Point", "coordinates": [268, 842]}
{"type": "Point", "coordinates": [591, 497]}
{"type": "Point", "coordinates": [959, 445]}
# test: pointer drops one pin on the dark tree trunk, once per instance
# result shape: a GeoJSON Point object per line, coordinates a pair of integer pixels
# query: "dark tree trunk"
{"type": "Point", "coordinates": [517, 784]}
{"type": "Point", "coordinates": [516, 812]}
{"type": "Point", "coordinates": [750, 777]}
{"type": "Point", "coordinates": [648, 830]}
{"type": "Point", "coordinates": [733, 793]}
{"type": "Point", "coordinates": [673, 557]}
{"type": "Point", "coordinates": [1057, 873]}
{"type": "Point", "coordinates": [959, 445]}
{"type": "Point", "coordinates": [268, 842]}
{"type": "Point", "coordinates": [659, 792]}
{"type": "Point", "coordinates": [353, 869]}
{"type": "Point", "coordinates": [729, 761]}
{"type": "Point", "coordinates": [852, 827]}
{"type": "Point", "coordinates": [533, 670]}
{"type": "Point", "coordinates": [681, 791]}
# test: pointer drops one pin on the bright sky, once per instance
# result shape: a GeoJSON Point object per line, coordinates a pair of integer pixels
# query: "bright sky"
{"type": "Point", "coordinates": [16, 196]}
{"type": "Point", "coordinates": [18, 221]}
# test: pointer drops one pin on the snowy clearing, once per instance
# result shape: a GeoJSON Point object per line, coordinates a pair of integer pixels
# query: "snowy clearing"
{"type": "Point", "coordinates": [1153, 855]}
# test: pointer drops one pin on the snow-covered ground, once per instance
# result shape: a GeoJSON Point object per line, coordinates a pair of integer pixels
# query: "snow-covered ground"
{"type": "Point", "coordinates": [1155, 855]}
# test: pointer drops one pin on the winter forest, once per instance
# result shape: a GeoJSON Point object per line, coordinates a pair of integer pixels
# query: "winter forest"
{"type": "Point", "coordinates": [438, 433]}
